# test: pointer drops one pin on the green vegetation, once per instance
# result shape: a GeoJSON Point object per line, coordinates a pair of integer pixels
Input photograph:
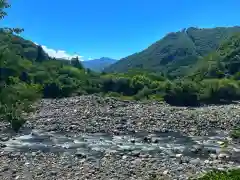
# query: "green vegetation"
{"type": "Point", "coordinates": [27, 73]}
{"type": "Point", "coordinates": [235, 134]}
{"type": "Point", "coordinates": [222, 175]}
{"type": "Point", "coordinates": [176, 53]}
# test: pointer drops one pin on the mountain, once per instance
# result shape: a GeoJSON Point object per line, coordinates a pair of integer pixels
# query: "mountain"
{"type": "Point", "coordinates": [98, 65]}
{"type": "Point", "coordinates": [177, 52]}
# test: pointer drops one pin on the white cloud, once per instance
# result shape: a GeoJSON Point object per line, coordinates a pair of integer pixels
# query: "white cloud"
{"type": "Point", "coordinates": [60, 53]}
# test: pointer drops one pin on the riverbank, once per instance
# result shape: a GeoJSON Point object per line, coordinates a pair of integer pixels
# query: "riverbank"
{"type": "Point", "coordinates": [90, 137]}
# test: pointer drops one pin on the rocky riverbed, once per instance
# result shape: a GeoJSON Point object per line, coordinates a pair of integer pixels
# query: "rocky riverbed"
{"type": "Point", "coordinates": [90, 137]}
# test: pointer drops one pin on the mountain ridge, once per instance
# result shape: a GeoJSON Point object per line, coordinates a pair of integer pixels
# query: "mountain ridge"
{"type": "Point", "coordinates": [176, 50]}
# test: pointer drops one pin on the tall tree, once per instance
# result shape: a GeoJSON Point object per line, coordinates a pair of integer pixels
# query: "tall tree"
{"type": "Point", "coordinates": [76, 63]}
{"type": "Point", "coordinates": [41, 55]}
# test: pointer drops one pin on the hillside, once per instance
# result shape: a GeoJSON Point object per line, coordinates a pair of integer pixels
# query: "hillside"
{"type": "Point", "coordinates": [22, 47]}
{"type": "Point", "coordinates": [98, 65]}
{"type": "Point", "coordinates": [176, 52]}
{"type": "Point", "coordinates": [225, 61]}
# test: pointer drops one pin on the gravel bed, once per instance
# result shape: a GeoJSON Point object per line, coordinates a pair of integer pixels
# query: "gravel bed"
{"type": "Point", "coordinates": [94, 114]}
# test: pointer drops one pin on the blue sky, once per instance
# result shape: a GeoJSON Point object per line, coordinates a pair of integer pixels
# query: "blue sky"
{"type": "Point", "coordinates": [113, 28]}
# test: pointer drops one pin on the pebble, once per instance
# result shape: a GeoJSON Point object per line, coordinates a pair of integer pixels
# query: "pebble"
{"type": "Point", "coordinates": [3, 145]}
{"type": "Point", "coordinates": [132, 140]}
{"type": "Point", "coordinates": [80, 155]}
{"type": "Point", "coordinates": [179, 155]}
{"type": "Point", "coordinates": [223, 156]}
{"type": "Point", "coordinates": [165, 172]}
{"type": "Point", "coordinates": [4, 168]}
{"type": "Point", "coordinates": [197, 149]}
{"type": "Point", "coordinates": [213, 156]}
{"type": "Point", "coordinates": [4, 139]}
{"type": "Point", "coordinates": [207, 161]}
{"type": "Point", "coordinates": [195, 161]}
{"type": "Point", "coordinates": [124, 157]}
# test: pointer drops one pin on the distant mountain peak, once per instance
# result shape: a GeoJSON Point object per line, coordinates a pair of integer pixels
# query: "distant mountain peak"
{"type": "Point", "coordinates": [100, 64]}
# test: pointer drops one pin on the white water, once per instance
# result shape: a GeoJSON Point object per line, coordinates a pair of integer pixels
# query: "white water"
{"type": "Point", "coordinates": [97, 144]}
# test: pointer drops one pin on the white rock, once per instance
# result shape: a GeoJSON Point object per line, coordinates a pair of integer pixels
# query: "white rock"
{"type": "Point", "coordinates": [220, 169]}
{"type": "Point", "coordinates": [195, 161]}
{"type": "Point", "coordinates": [206, 161]}
{"type": "Point", "coordinates": [124, 157]}
{"type": "Point", "coordinates": [179, 155]}
{"type": "Point", "coordinates": [165, 172]}
{"type": "Point", "coordinates": [220, 142]}
{"type": "Point", "coordinates": [213, 156]}
{"type": "Point", "coordinates": [223, 156]}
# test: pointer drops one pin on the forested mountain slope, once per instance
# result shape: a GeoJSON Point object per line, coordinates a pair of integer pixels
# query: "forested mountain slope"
{"type": "Point", "coordinates": [176, 52]}
{"type": "Point", "coordinates": [225, 61]}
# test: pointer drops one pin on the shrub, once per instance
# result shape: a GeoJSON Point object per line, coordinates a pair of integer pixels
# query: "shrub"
{"type": "Point", "coordinates": [222, 175]}
{"type": "Point", "coordinates": [13, 107]}
{"type": "Point", "coordinates": [235, 133]}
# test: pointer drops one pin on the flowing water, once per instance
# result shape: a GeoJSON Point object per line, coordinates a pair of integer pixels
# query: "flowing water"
{"type": "Point", "coordinates": [96, 145]}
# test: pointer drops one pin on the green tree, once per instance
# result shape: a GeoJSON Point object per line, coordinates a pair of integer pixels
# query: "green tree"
{"type": "Point", "coordinates": [76, 63]}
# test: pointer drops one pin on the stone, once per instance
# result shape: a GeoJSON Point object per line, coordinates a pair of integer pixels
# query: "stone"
{"type": "Point", "coordinates": [4, 168]}
{"type": "Point", "coordinates": [180, 168]}
{"type": "Point", "coordinates": [80, 155]}
{"type": "Point", "coordinates": [223, 156]}
{"type": "Point", "coordinates": [220, 143]}
{"type": "Point", "coordinates": [4, 139]}
{"type": "Point", "coordinates": [221, 169]}
{"type": "Point", "coordinates": [196, 148]}
{"type": "Point", "coordinates": [213, 156]}
{"type": "Point", "coordinates": [135, 153]}
{"type": "Point", "coordinates": [3, 145]}
{"type": "Point", "coordinates": [53, 127]}
{"type": "Point", "coordinates": [206, 161]}
{"type": "Point", "coordinates": [211, 150]}
{"type": "Point", "coordinates": [164, 130]}
{"type": "Point", "coordinates": [155, 140]}
{"type": "Point", "coordinates": [184, 159]}
{"type": "Point", "coordinates": [116, 132]}
{"type": "Point", "coordinates": [147, 139]}
{"type": "Point", "coordinates": [165, 172]}
{"type": "Point", "coordinates": [179, 155]}
{"type": "Point", "coordinates": [53, 173]}
{"type": "Point", "coordinates": [124, 157]}
{"type": "Point", "coordinates": [144, 155]}
{"type": "Point", "coordinates": [195, 161]}
{"type": "Point", "coordinates": [132, 140]}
